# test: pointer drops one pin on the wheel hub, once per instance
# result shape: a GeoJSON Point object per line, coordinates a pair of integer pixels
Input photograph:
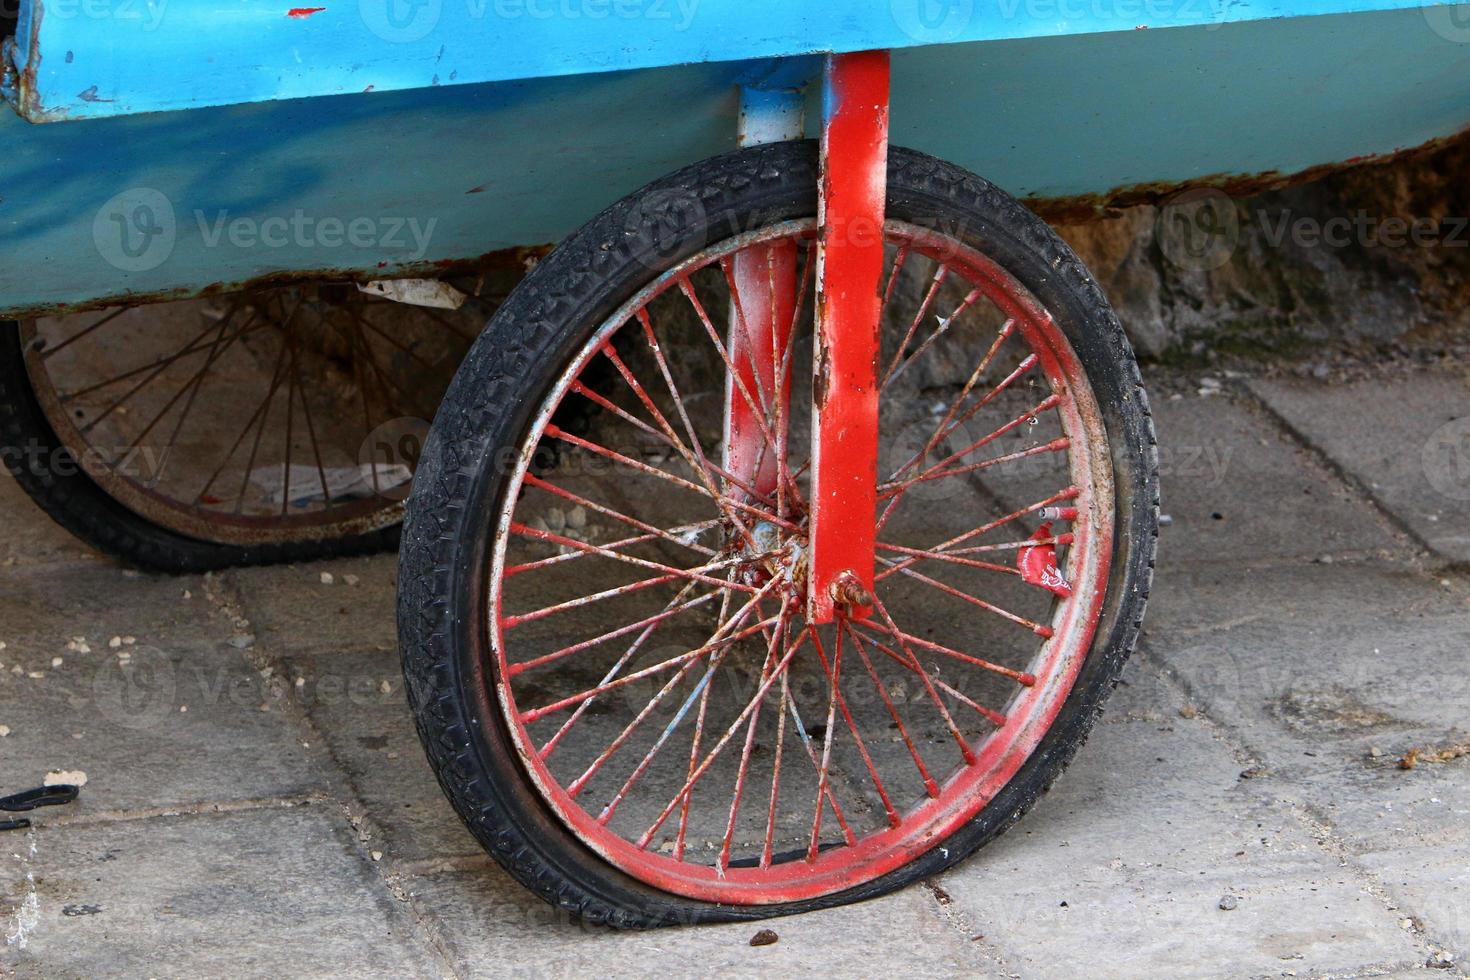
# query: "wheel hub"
{"type": "Point", "coordinates": [771, 553]}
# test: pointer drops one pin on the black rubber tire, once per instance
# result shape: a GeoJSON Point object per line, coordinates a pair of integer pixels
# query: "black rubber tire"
{"type": "Point", "coordinates": [75, 501]}
{"type": "Point", "coordinates": [442, 593]}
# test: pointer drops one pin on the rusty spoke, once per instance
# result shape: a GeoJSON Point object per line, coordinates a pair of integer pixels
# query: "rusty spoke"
{"type": "Point", "coordinates": [940, 274]}
{"type": "Point", "coordinates": [940, 329]}
{"type": "Point", "coordinates": [576, 786]}
{"type": "Point", "coordinates": [930, 786]}
{"type": "Point", "coordinates": [545, 751]}
{"type": "Point", "coordinates": [658, 668]}
{"type": "Point", "coordinates": [945, 468]}
{"type": "Point", "coordinates": [84, 332]}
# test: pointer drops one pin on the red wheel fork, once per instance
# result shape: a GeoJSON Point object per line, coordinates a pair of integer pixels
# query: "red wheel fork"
{"type": "Point", "coordinates": [849, 268]}
{"type": "Point", "coordinates": [763, 291]}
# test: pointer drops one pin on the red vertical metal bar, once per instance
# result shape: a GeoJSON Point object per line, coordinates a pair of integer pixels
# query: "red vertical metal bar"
{"type": "Point", "coordinates": [763, 288]}
{"type": "Point", "coordinates": [845, 386]}
{"type": "Point", "coordinates": [763, 281]}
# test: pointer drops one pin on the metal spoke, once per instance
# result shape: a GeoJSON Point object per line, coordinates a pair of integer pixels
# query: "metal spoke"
{"type": "Point", "coordinates": [662, 784]}
{"type": "Point", "coordinates": [545, 751]}
{"type": "Point", "coordinates": [939, 330]}
{"type": "Point", "coordinates": [189, 388]}
{"type": "Point", "coordinates": [907, 639]}
{"type": "Point", "coordinates": [86, 331]}
{"type": "Point", "coordinates": [658, 668]}
{"type": "Point", "coordinates": [994, 717]}
{"type": "Point", "coordinates": [833, 670]}
{"type": "Point", "coordinates": [1068, 493]}
{"type": "Point", "coordinates": [154, 370]}
{"type": "Point", "coordinates": [777, 635]}
{"type": "Point", "coordinates": [930, 786]}
{"type": "Point", "coordinates": [947, 423]}
{"type": "Point", "coordinates": [939, 468]}
{"type": "Point", "coordinates": [575, 498]}
{"type": "Point", "coordinates": [694, 454]}
{"type": "Point", "coordinates": [1055, 446]}
{"type": "Point", "coordinates": [714, 753]}
{"type": "Point", "coordinates": [682, 532]}
{"type": "Point", "coordinates": [613, 634]}
{"type": "Point", "coordinates": [940, 274]}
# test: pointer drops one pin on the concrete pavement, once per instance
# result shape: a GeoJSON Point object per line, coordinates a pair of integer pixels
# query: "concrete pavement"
{"type": "Point", "coordinates": [257, 803]}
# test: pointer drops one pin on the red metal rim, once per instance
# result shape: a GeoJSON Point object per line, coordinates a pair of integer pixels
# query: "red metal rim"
{"type": "Point", "coordinates": [1061, 643]}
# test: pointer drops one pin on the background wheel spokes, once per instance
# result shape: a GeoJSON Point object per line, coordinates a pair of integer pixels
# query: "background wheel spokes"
{"type": "Point", "coordinates": [280, 415]}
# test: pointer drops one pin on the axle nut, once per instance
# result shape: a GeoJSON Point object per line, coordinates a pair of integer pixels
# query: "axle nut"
{"type": "Point", "coordinates": [848, 590]}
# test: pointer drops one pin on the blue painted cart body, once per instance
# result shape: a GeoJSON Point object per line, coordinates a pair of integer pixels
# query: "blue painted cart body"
{"type": "Point", "coordinates": [165, 148]}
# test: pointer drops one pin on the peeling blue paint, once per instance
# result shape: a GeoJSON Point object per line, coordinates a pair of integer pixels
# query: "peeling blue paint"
{"type": "Point", "coordinates": [150, 55]}
{"type": "Point", "coordinates": [525, 162]}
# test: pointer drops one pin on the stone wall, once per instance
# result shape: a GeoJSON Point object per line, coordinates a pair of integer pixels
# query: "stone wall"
{"type": "Point", "coordinates": [1367, 258]}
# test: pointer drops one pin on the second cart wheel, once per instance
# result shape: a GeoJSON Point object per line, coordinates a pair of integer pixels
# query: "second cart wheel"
{"type": "Point", "coordinates": [281, 424]}
{"type": "Point", "coordinates": [604, 632]}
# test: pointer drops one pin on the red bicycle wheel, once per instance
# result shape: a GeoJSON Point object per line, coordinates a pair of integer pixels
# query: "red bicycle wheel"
{"type": "Point", "coordinates": [644, 650]}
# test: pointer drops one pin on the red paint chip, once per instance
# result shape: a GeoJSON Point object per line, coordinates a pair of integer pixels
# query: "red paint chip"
{"type": "Point", "coordinates": [303, 11]}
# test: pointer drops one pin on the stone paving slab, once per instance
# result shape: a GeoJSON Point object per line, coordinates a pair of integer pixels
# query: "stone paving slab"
{"type": "Point", "coordinates": [292, 610]}
{"type": "Point", "coordinates": [1120, 870]}
{"type": "Point", "coordinates": [267, 893]}
{"type": "Point", "coordinates": [32, 538]}
{"type": "Point", "coordinates": [1433, 886]}
{"type": "Point", "coordinates": [178, 723]}
{"type": "Point", "coordinates": [494, 928]}
{"type": "Point", "coordinates": [1407, 441]}
{"type": "Point", "coordinates": [1236, 488]}
{"type": "Point", "coordinates": [1296, 625]}
{"type": "Point", "coordinates": [1316, 667]}
{"type": "Point", "coordinates": [371, 736]}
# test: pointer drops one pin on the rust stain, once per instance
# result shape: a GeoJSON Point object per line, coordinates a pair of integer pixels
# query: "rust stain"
{"type": "Point", "coordinates": [1446, 753]}
{"type": "Point", "coordinates": [1083, 208]}
{"type": "Point", "coordinates": [822, 371]}
{"type": "Point", "coordinates": [24, 82]}
{"type": "Point", "coordinates": [502, 259]}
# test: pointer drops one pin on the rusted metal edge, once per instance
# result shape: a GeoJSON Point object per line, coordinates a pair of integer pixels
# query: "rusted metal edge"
{"type": "Point", "coordinates": [19, 85]}
{"type": "Point", "coordinates": [1077, 209]}
{"type": "Point", "coordinates": [521, 257]}
{"type": "Point", "coordinates": [1084, 208]}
